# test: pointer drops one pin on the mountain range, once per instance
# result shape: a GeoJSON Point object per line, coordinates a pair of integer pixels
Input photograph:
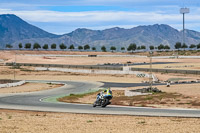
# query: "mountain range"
{"type": "Point", "coordinates": [14, 30]}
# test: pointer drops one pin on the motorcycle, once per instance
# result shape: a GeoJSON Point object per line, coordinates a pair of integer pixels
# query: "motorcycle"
{"type": "Point", "coordinates": [103, 100]}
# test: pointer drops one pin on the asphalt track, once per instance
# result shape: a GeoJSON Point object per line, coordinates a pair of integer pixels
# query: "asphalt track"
{"type": "Point", "coordinates": [35, 101]}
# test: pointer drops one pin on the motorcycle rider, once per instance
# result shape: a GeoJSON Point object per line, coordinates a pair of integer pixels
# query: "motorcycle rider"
{"type": "Point", "coordinates": [106, 92]}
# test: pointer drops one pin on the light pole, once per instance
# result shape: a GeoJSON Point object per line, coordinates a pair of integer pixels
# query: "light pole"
{"type": "Point", "coordinates": [15, 67]}
{"type": "Point", "coordinates": [150, 70]}
{"type": "Point", "coordinates": [184, 11]}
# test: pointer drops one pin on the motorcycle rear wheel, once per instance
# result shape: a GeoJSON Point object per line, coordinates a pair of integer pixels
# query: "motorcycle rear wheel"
{"type": "Point", "coordinates": [104, 103]}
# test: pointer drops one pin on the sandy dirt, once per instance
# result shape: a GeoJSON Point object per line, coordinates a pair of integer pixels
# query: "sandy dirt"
{"type": "Point", "coordinates": [187, 65]}
{"type": "Point", "coordinates": [176, 77]}
{"type": "Point", "coordinates": [20, 57]}
{"type": "Point", "coordinates": [44, 122]}
{"type": "Point", "coordinates": [190, 96]}
{"type": "Point", "coordinates": [28, 73]}
{"type": "Point", "coordinates": [28, 87]}
{"type": "Point", "coordinates": [185, 89]}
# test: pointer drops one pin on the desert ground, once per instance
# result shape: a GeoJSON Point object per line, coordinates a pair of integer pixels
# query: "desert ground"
{"type": "Point", "coordinates": [46, 122]}
{"type": "Point", "coordinates": [27, 57]}
{"type": "Point", "coordinates": [27, 121]}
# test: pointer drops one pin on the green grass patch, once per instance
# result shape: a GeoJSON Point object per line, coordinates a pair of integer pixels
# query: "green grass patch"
{"type": "Point", "coordinates": [89, 121]}
{"type": "Point", "coordinates": [142, 122]}
{"type": "Point", "coordinates": [26, 70]}
{"type": "Point", "coordinates": [9, 117]}
{"type": "Point", "coordinates": [148, 98]}
{"type": "Point", "coordinates": [72, 97]}
{"type": "Point", "coordinates": [177, 79]}
{"type": "Point", "coordinates": [15, 67]}
{"type": "Point", "coordinates": [176, 120]}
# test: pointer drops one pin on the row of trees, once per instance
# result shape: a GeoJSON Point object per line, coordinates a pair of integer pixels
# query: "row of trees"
{"type": "Point", "coordinates": [178, 46]}
{"type": "Point", "coordinates": [132, 47]}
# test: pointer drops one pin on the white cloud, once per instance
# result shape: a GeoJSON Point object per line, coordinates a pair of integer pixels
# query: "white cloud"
{"type": "Point", "coordinates": [104, 19]}
{"type": "Point", "coordinates": [95, 16]}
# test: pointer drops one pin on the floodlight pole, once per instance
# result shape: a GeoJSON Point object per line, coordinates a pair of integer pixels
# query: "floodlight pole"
{"type": "Point", "coordinates": [183, 28]}
{"type": "Point", "coordinates": [184, 11]}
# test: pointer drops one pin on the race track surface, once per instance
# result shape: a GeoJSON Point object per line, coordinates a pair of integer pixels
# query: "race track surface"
{"type": "Point", "coordinates": [34, 101]}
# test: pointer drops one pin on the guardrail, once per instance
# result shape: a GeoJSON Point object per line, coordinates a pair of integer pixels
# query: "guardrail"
{"type": "Point", "coordinates": [197, 72]}
{"type": "Point", "coordinates": [168, 71]}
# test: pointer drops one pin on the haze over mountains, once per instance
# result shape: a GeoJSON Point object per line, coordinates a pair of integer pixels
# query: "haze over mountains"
{"type": "Point", "coordinates": [14, 30]}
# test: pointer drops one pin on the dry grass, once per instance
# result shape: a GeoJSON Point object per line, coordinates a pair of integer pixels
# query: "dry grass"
{"type": "Point", "coordinates": [161, 100]}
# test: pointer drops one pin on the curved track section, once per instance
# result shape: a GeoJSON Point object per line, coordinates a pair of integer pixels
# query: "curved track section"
{"type": "Point", "coordinates": [31, 101]}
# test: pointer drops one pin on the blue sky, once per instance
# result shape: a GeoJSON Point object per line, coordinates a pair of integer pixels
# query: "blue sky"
{"type": "Point", "coordinates": [64, 16]}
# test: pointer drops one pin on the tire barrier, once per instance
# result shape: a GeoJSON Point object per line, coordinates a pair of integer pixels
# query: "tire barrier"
{"type": "Point", "coordinates": [142, 75]}
{"type": "Point", "coordinates": [12, 84]}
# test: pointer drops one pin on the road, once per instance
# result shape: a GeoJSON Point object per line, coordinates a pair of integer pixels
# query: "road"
{"type": "Point", "coordinates": [34, 101]}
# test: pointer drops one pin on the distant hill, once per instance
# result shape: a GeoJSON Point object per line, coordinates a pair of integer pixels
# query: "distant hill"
{"type": "Point", "coordinates": [14, 30]}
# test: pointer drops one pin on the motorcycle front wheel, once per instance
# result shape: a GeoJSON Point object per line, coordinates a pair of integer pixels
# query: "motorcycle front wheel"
{"type": "Point", "coordinates": [94, 104]}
